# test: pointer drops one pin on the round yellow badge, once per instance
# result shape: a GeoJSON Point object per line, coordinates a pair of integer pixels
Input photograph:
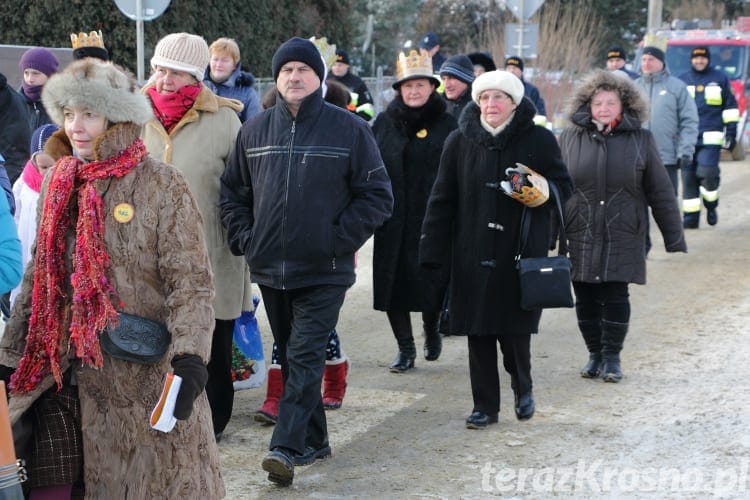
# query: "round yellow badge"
{"type": "Point", "coordinates": [422, 133]}
{"type": "Point", "coordinates": [124, 212]}
{"type": "Point", "coordinates": [699, 88]}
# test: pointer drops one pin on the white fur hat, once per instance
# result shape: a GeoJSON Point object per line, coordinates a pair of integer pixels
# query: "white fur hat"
{"type": "Point", "coordinates": [182, 52]}
{"type": "Point", "coordinates": [100, 86]}
{"type": "Point", "coordinates": [498, 80]}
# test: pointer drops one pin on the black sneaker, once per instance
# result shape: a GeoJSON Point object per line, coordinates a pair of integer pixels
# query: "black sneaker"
{"type": "Point", "coordinates": [279, 464]}
{"type": "Point", "coordinates": [312, 454]}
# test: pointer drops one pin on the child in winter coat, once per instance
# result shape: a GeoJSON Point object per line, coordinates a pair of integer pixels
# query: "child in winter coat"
{"type": "Point", "coordinates": [26, 191]}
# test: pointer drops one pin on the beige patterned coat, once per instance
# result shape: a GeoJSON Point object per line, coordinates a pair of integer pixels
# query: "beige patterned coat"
{"type": "Point", "coordinates": [160, 269]}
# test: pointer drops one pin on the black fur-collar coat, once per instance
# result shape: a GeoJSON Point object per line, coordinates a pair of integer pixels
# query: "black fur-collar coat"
{"type": "Point", "coordinates": [473, 229]}
{"type": "Point", "coordinates": [410, 141]}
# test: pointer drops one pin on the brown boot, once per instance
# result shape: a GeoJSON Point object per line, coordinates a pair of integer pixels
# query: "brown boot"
{"type": "Point", "coordinates": [269, 410]}
{"type": "Point", "coordinates": [334, 384]}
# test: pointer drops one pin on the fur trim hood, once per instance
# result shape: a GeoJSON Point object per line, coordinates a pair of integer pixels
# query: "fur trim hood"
{"type": "Point", "coordinates": [103, 87]}
{"type": "Point", "coordinates": [634, 105]}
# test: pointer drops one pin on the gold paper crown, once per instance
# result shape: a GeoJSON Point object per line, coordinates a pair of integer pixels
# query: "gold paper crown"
{"type": "Point", "coordinates": [415, 64]}
{"type": "Point", "coordinates": [93, 39]}
{"type": "Point", "coordinates": [327, 50]}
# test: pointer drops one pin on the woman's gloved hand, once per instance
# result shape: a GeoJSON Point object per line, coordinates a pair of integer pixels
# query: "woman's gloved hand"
{"type": "Point", "coordinates": [194, 377]}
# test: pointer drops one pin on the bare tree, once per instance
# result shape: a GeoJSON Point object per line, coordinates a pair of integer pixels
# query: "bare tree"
{"type": "Point", "coordinates": [570, 44]}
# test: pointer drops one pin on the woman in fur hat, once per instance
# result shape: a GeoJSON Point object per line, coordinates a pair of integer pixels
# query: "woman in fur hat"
{"type": "Point", "coordinates": [410, 135]}
{"type": "Point", "coordinates": [616, 168]}
{"type": "Point", "coordinates": [118, 232]}
{"type": "Point", "coordinates": [472, 228]}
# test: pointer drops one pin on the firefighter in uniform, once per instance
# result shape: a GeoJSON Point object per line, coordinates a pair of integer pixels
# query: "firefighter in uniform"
{"type": "Point", "coordinates": [718, 116]}
{"type": "Point", "coordinates": [361, 100]}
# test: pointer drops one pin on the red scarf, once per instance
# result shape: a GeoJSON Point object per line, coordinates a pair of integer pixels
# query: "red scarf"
{"type": "Point", "coordinates": [170, 108]}
{"type": "Point", "coordinates": [91, 305]}
{"type": "Point", "coordinates": [32, 176]}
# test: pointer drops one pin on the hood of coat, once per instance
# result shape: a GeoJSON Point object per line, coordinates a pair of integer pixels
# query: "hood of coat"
{"type": "Point", "coordinates": [634, 105]}
{"type": "Point", "coordinates": [113, 141]}
{"type": "Point", "coordinates": [471, 127]}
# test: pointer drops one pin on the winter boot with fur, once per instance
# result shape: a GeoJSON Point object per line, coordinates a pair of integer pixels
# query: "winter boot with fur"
{"type": "Point", "coordinates": [334, 383]}
{"type": "Point", "coordinates": [613, 338]}
{"type": "Point", "coordinates": [592, 336]}
{"type": "Point", "coordinates": [268, 413]}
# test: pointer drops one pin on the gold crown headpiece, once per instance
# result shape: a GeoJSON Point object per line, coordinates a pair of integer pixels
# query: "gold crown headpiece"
{"type": "Point", "coordinates": [415, 64]}
{"type": "Point", "coordinates": [93, 39]}
{"type": "Point", "coordinates": [327, 50]}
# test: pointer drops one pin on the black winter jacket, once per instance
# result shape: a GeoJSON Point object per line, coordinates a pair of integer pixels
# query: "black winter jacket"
{"type": "Point", "coordinates": [15, 130]}
{"type": "Point", "coordinates": [617, 176]}
{"type": "Point", "coordinates": [473, 228]}
{"type": "Point", "coordinates": [411, 142]}
{"type": "Point", "coordinates": [300, 195]}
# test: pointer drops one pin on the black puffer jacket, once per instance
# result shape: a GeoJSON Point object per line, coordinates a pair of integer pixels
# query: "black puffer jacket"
{"type": "Point", "coordinates": [616, 176]}
{"type": "Point", "coordinates": [300, 195]}
{"type": "Point", "coordinates": [15, 131]}
{"type": "Point", "coordinates": [411, 141]}
{"type": "Point", "coordinates": [473, 229]}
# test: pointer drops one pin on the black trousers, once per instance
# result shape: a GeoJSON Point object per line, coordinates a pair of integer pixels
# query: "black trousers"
{"type": "Point", "coordinates": [301, 320]}
{"type": "Point", "coordinates": [609, 301]}
{"type": "Point", "coordinates": [219, 388]}
{"type": "Point", "coordinates": [483, 369]}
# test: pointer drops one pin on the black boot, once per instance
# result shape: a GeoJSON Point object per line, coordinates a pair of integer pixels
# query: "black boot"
{"type": "Point", "coordinates": [433, 343]}
{"type": "Point", "coordinates": [592, 335]}
{"type": "Point", "coordinates": [407, 350]}
{"type": "Point", "coordinates": [691, 220]}
{"type": "Point", "coordinates": [613, 337]}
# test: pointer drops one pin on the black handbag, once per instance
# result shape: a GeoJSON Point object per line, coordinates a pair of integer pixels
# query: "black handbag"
{"type": "Point", "coordinates": [545, 281]}
{"type": "Point", "coordinates": [136, 339]}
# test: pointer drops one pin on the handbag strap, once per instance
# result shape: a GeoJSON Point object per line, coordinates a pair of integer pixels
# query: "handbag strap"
{"type": "Point", "coordinates": [562, 247]}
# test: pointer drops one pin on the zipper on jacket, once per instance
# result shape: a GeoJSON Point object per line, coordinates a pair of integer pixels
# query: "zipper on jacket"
{"type": "Point", "coordinates": [286, 201]}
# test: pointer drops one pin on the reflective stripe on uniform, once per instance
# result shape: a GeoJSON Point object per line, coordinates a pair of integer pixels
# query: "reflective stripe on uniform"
{"type": "Point", "coordinates": [731, 115]}
{"type": "Point", "coordinates": [708, 195]}
{"type": "Point", "coordinates": [712, 95]}
{"type": "Point", "coordinates": [713, 138]}
{"type": "Point", "coordinates": [540, 120]}
{"type": "Point", "coordinates": [367, 109]}
{"type": "Point", "coordinates": [691, 90]}
{"type": "Point", "coordinates": [691, 205]}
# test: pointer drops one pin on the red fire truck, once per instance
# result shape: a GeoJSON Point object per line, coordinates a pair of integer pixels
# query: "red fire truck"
{"type": "Point", "coordinates": [730, 52]}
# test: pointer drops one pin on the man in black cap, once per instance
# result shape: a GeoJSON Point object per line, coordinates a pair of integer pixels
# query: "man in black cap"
{"type": "Point", "coordinates": [361, 102]}
{"type": "Point", "coordinates": [718, 115]}
{"type": "Point", "coordinates": [616, 61]}
{"type": "Point", "coordinates": [672, 117]}
{"type": "Point", "coordinates": [514, 64]}
{"type": "Point", "coordinates": [431, 43]}
{"type": "Point", "coordinates": [457, 74]}
{"type": "Point", "coordinates": [304, 189]}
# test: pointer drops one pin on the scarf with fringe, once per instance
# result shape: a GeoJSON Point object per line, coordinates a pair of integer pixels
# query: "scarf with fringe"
{"type": "Point", "coordinates": [91, 307]}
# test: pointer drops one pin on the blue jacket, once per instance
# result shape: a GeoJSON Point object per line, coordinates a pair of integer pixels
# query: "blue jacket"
{"type": "Point", "coordinates": [238, 86]}
{"type": "Point", "coordinates": [530, 91]}
{"type": "Point", "coordinates": [714, 114]}
{"type": "Point", "coordinates": [301, 194]}
{"type": "Point", "coordinates": [11, 268]}
{"type": "Point", "coordinates": [6, 186]}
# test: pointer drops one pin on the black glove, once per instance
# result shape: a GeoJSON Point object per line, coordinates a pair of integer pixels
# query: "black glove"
{"type": "Point", "coordinates": [194, 377]}
{"type": "Point", "coordinates": [5, 373]}
{"type": "Point", "coordinates": [730, 143]}
{"type": "Point", "coordinates": [684, 161]}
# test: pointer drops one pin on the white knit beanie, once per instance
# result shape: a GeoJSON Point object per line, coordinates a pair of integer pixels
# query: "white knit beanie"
{"type": "Point", "coordinates": [182, 52]}
{"type": "Point", "coordinates": [498, 80]}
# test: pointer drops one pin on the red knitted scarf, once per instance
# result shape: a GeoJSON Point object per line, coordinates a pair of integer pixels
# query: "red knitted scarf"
{"type": "Point", "coordinates": [91, 306]}
{"type": "Point", "coordinates": [170, 108]}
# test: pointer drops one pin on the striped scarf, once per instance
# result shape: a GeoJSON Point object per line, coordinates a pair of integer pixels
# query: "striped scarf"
{"type": "Point", "coordinates": [91, 307]}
